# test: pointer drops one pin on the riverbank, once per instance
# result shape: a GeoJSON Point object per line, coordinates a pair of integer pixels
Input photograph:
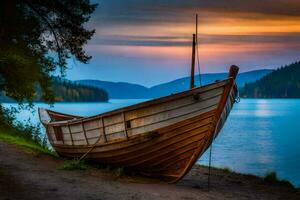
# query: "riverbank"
{"type": "Point", "coordinates": [31, 175]}
{"type": "Point", "coordinates": [267, 147]}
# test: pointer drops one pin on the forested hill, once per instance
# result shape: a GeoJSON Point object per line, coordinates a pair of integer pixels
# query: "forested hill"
{"type": "Point", "coordinates": [68, 91]}
{"type": "Point", "coordinates": [281, 83]}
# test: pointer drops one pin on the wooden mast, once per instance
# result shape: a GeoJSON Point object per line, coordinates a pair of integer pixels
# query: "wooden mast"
{"type": "Point", "coordinates": [195, 38]}
{"type": "Point", "coordinates": [192, 84]}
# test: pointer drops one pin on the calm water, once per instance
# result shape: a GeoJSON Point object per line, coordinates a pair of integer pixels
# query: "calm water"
{"type": "Point", "coordinates": [259, 136]}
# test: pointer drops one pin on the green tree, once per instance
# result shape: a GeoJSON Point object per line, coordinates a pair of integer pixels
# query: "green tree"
{"type": "Point", "coordinates": [283, 82]}
{"type": "Point", "coordinates": [36, 39]}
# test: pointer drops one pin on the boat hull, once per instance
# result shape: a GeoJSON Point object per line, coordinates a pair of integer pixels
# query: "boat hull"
{"type": "Point", "coordinates": [160, 138]}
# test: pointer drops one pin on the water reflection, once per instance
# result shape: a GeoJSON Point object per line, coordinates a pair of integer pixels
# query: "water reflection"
{"type": "Point", "coordinates": [261, 135]}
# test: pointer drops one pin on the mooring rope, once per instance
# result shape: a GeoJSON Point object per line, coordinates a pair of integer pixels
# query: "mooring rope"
{"type": "Point", "coordinates": [209, 165]}
{"type": "Point", "coordinates": [197, 51]}
{"type": "Point", "coordinates": [198, 62]}
{"type": "Point", "coordinates": [84, 155]}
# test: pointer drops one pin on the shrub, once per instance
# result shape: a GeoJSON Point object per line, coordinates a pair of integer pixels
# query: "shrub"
{"type": "Point", "coordinates": [22, 133]}
{"type": "Point", "coordinates": [271, 177]}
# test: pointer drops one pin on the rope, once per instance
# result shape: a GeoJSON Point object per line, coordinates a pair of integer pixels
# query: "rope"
{"type": "Point", "coordinates": [197, 51]}
{"type": "Point", "coordinates": [84, 155]}
{"type": "Point", "coordinates": [198, 62]}
{"type": "Point", "coordinates": [237, 98]}
{"type": "Point", "coordinates": [209, 166]}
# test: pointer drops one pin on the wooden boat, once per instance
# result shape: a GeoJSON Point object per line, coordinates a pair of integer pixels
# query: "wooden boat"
{"type": "Point", "coordinates": [161, 138]}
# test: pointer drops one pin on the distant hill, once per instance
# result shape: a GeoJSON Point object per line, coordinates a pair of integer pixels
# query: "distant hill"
{"type": "Point", "coordinates": [184, 83]}
{"type": "Point", "coordinates": [281, 83]}
{"type": "Point", "coordinates": [119, 90]}
{"type": "Point", "coordinates": [122, 90]}
{"type": "Point", "coordinates": [68, 91]}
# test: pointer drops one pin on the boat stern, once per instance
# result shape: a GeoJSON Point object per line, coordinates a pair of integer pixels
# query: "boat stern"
{"type": "Point", "coordinates": [44, 116]}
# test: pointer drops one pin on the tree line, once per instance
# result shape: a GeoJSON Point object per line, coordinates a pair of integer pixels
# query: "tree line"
{"type": "Point", "coordinates": [68, 91]}
{"type": "Point", "coordinates": [283, 82]}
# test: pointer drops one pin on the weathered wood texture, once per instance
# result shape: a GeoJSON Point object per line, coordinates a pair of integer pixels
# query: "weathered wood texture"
{"type": "Point", "coordinates": [162, 137]}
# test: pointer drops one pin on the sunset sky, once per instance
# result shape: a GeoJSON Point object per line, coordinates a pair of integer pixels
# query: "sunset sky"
{"type": "Point", "coordinates": [149, 42]}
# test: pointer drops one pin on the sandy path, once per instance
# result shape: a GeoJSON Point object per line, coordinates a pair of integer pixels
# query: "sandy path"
{"type": "Point", "coordinates": [25, 175]}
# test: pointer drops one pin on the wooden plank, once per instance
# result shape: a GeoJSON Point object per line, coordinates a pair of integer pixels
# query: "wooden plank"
{"type": "Point", "coordinates": [164, 142]}
{"type": "Point", "coordinates": [103, 128]}
{"type": "Point", "coordinates": [155, 147]}
{"type": "Point", "coordinates": [84, 132]}
{"type": "Point", "coordinates": [70, 134]}
{"type": "Point", "coordinates": [50, 136]}
{"type": "Point", "coordinates": [159, 155]}
{"type": "Point", "coordinates": [164, 123]}
{"type": "Point", "coordinates": [181, 111]}
{"type": "Point", "coordinates": [172, 105]}
{"type": "Point", "coordinates": [125, 126]}
{"type": "Point", "coordinates": [122, 144]}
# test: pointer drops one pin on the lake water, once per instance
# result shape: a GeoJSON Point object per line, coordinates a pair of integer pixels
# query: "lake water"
{"type": "Point", "coordinates": [259, 136]}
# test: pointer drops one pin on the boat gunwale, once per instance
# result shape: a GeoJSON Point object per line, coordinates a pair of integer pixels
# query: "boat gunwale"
{"type": "Point", "coordinates": [145, 104]}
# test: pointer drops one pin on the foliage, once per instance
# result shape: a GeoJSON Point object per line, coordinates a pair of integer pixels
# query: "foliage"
{"type": "Point", "coordinates": [36, 38]}
{"type": "Point", "coordinates": [227, 169]}
{"type": "Point", "coordinates": [74, 164]}
{"type": "Point", "coordinates": [271, 177]}
{"type": "Point", "coordinates": [68, 91]}
{"type": "Point", "coordinates": [281, 83]}
{"type": "Point", "coordinates": [120, 171]}
{"type": "Point", "coordinates": [25, 142]}
{"type": "Point", "coordinates": [22, 134]}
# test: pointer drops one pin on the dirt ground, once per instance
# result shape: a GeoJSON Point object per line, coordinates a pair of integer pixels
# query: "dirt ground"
{"type": "Point", "coordinates": [31, 176]}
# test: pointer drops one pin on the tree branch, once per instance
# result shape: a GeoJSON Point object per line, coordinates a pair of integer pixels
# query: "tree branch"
{"type": "Point", "coordinates": [52, 30]}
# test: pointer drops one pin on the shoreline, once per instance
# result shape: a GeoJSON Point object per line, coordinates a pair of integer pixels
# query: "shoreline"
{"type": "Point", "coordinates": [37, 176]}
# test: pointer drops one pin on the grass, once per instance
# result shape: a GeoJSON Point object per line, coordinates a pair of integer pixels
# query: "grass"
{"type": "Point", "coordinates": [74, 164]}
{"type": "Point", "coordinates": [32, 146]}
{"type": "Point", "coordinates": [120, 171]}
{"type": "Point", "coordinates": [227, 169]}
{"type": "Point", "coordinates": [271, 177]}
{"type": "Point", "coordinates": [24, 142]}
